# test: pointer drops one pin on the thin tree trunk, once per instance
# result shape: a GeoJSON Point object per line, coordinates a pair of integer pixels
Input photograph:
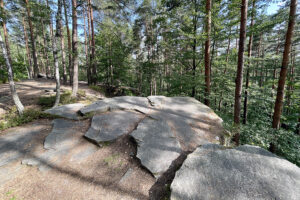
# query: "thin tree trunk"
{"type": "Point", "coordinates": [48, 71]}
{"type": "Point", "coordinates": [33, 47]}
{"type": "Point", "coordinates": [284, 66]}
{"type": "Point", "coordinates": [27, 50]}
{"type": "Point", "coordinates": [88, 72]}
{"type": "Point", "coordinates": [55, 52]}
{"type": "Point", "coordinates": [5, 34]}
{"type": "Point", "coordinates": [92, 60]}
{"type": "Point", "coordinates": [239, 75]}
{"type": "Point", "coordinates": [226, 64]}
{"type": "Point", "coordinates": [74, 48]}
{"type": "Point", "coordinates": [194, 49]}
{"type": "Point", "coordinates": [13, 91]}
{"type": "Point", "coordinates": [249, 63]}
{"type": "Point", "coordinates": [207, 53]}
{"type": "Point", "coordinates": [69, 44]}
{"type": "Point", "coordinates": [62, 43]}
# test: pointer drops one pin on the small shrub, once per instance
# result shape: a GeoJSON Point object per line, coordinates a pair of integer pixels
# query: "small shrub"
{"type": "Point", "coordinates": [13, 119]}
{"type": "Point", "coordinates": [65, 98]}
{"type": "Point", "coordinates": [97, 88]}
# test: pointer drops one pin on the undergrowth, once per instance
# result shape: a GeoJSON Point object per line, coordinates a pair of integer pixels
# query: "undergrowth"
{"type": "Point", "coordinates": [65, 98]}
{"type": "Point", "coordinates": [259, 133]}
{"type": "Point", "coordinates": [12, 118]}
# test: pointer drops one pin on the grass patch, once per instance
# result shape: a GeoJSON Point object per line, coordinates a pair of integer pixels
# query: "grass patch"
{"type": "Point", "coordinates": [13, 119]}
{"type": "Point", "coordinates": [65, 98]}
{"type": "Point", "coordinates": [98, 89]}
{"type": "Point", "coordinates": [112, 159]}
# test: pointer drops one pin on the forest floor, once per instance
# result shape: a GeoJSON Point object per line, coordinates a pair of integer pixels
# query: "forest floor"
{"type": "Point", "coordinates": [29, 92]}
{"type": "Point", "coordinates": [101, 175]}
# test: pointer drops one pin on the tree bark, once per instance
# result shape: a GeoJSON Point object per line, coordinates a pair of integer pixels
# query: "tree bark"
{"type": "Point", "coordinates": [207, 53]}
{"type": "Point", "coordinates": [27, 49]}
{"type": "Point", "coordinates": [248, 65]}
{"type": "Point", "coordinates": [48, 70]}
{"type": "Point", "coordinates": [5, 34]}
{"type": "Point", "coordinates": [239, 75]}
{"type": "Point", "coordinates": [284, 66]}
{"type": "Point", "coordinates": [92, 60]}
{"type": "Point", "coordinates": [74, 48]}
{"type": "Point", "coordinates": [62, 43]}
{"type": "Point", "coordinates": [13, 91]}
{"type": "Point", "coordinates": [194, 49]}
{"type": "Point", "coordinates": [69, 44]}
{"type": "Point", "coordinates": [55, 52]}
{"type": "Point", "coordinates": [34, 54]}
{"type": "Point", "coordinates": [86, 38]}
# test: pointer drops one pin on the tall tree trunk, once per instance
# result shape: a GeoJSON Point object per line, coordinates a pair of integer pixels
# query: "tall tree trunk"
{"type": "Point", "coordinates": [55, 51]}
{"type": "Point", "coordinates": [284, 66]}
{"type": "Point", "coordinates": [207, 52]}
{"type": "Point", "coordinates": [249, 64]}
{"type": "Point", "coordinates": [48, 70]}
{"type": "Point", "coordinates": [27, 49]}
{"type": "Point", "coordinates": [69, 43]}
{"type": "Point", "coordinates": [5, 33]}
{"type": "Point", "coordinates": [13, 91]}
{"type": "Point", "coordinates": [62, 42]}
{"type": "Point", "coordinates": [74, 48]}
{"type": "Point", "coordinates": [51, 35]}
{"type": "Point", "coordinates": [194, 58]}
{"type": "Point", "coordinates": [88, 72]}
{"type": "Point", "coordinates": [92, 60]}
{"type": "Point", "coordinates": [33, 47]}
{"type": "Point", "coordinates": [239, 75]}
{"type": "Point", "coordinates": [226, 64]}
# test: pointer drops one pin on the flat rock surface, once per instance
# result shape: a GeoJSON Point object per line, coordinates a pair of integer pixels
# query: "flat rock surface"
{"type": "Point", "coordinates": [68, 111]}
{"type": "Point", "coordinates": [109, 126]}
{"type": "Point", "coordinates": [60, 142]}
{"type": "Point", "coordinates": [244, 173]}
{"type": "Point", "coordinates": [140, 104]}
{"type": "Point", "coordinates": [15, 143]}
{"type": "Point", "coordinates": [172, 125]}
{"type": "Point", "coordinates": [157, 145]}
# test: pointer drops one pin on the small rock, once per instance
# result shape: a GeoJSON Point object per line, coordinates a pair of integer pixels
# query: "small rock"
{"type": "Point", "coordinates": [68, 111]}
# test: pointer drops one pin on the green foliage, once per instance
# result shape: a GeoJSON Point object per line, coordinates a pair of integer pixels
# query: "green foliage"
{"type": "Point", "coordinates": [97, 88]}
{"type": "Point", "coordinates": [287, 143]}
{"type": "Point", "coordinates": [13, 119]}
{"type": "Point", "coordinates": [65, 98]}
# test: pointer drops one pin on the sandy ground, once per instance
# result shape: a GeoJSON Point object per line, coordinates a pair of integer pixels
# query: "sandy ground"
{"type": "Point", "coordinates": [30, 90]}
{"type": "Point", "coordinates": [99, 176]}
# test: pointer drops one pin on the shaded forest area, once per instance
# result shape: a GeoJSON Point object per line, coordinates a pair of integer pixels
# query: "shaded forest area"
{"type": "Point", "coordinates": [234, 56]}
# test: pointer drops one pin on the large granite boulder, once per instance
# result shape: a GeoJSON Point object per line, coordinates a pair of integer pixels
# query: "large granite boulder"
{"type": "Point", "coordinates": [244, 173]}
{"type": "Point", "coordinates": [157, 145]}
{"type": "Point", "coordinates": [109, 126]}
{"type": "Point", "coordinates": [171, 125]}
{"type": "Point", "coordinates": [140, 104]}
{"type": "Point", "coordinates": [68, 111]}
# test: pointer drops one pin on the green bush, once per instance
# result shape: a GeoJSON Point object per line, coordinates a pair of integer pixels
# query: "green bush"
{"type": "Point", "coordinates": [13, 119]}
{"type": "Point", "coordinates": [287, 143]}
{"type": "Point", "coordinates": [65, 98]}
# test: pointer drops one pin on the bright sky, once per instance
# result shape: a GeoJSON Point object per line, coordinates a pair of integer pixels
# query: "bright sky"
{"type": "Point", "coordinates": [273, 7]}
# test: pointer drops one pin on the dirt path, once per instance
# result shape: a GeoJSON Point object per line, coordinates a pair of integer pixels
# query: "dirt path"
{"type": "Point", "coordinates": [29, 91]}
{"type": "Point", "coordinates": [98, 176]}
{"type": "Point", "coordinates": [110, 172]}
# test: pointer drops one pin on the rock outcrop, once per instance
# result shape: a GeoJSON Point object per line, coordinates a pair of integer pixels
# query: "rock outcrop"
{"type": "Point", "coordinates": [69, 111]}
{"type": "Point", "coordinates": [109, 126]}
{"type": "Point", "coordinates": [165, 126]}
{"type": "Point", "coordinates": [244, 173]}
